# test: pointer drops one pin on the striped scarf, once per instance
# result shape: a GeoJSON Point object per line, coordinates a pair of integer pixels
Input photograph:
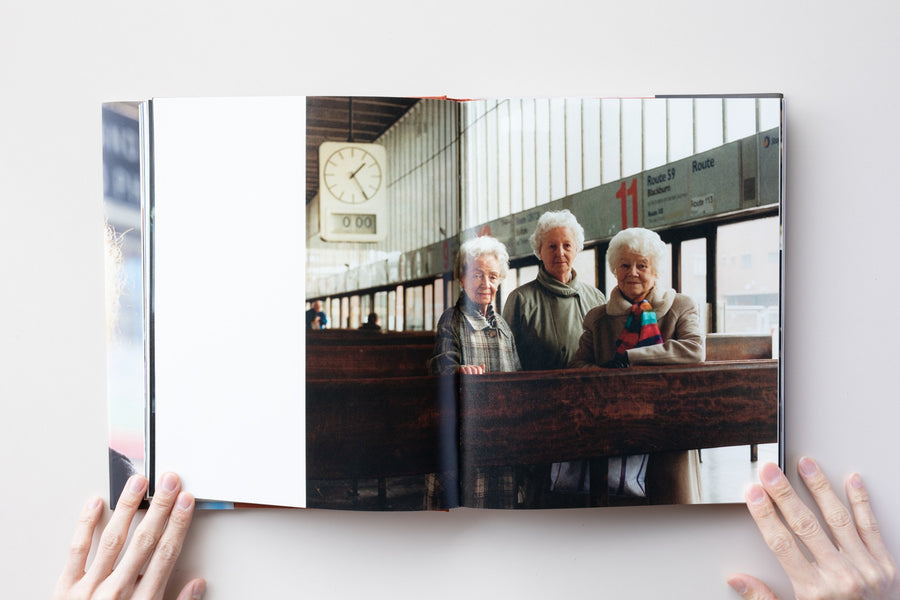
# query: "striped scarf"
{"type": "Point", "coordinates": [640, 329]}
{"type": "Point", "coordinates": [627, 474]}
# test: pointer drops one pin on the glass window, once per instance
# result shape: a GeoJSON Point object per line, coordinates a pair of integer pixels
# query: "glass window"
{"type": "Point", "coordinates": [681, 128]}
{"type": "Point", "coordinates": [353, 321]}
{"type": "Point", "coordinates": [429, 307]}
{"type": "Point", "coordinates": [747, 280]}
{"type": "Point", "coordinates": [414, 309]}
{"type": "Point", "coordinates": [654, 133]}
{"type": "Point", "coordinates": [381, 308]}
{"type": "Point", "coordinates": [590, 150]}
{"type": "Point", "coordinates": [610, 133]}
{"type": "Point", "coordinates": [693, 276]}
{"type": "Point", "coordinates": [708, 123]}
{"type": "Point", "coordinates": [334, 315]}
{"type": "Point", "coordinates": [527, 274]}
{"type": "Point", "coordinates": [344, 320]}
{"type": "Point", "coordinates": [632, 136]}
{"type": "Point", "coordinates": [509, 284]}
{"type": "Point", "coordinates": [769, 113]}
{"type": "Point", "coordinates": [740, 118]}
{"type": "Point", "coordinates": [557, 148]}
{"type": "Point", "coordinates": [585, 266]}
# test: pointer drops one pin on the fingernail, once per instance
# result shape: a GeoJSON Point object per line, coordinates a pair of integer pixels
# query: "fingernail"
{"type": "Point", "coordinates": [198, 590]}
{"type": "Point", "coordinates": [856, 481]}
{"type": "Point", "coordinates": [755, 494]}
{"type": "Point", "coordinates": [738, 585]}
{"type": "Point", "coordinates": [169, 482]}
{"type": "Point", "coordinates": [184, 501]}
{"type": "Point", "coordinates": [136, 484]}
{"type": "Point", "coordinates": [807, 467]}
{"type": "Point", "coordinates": [770, 473]}
{"type": "Point", "coordinates": [94, 503]}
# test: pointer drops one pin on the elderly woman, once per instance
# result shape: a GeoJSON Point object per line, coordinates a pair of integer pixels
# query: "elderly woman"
{"type": "Point", "coordinates": [645, 324]}
{"type": "Point", "coordinates": [546, 314]}
{"type": "Point", "coordinates": [472, 339]}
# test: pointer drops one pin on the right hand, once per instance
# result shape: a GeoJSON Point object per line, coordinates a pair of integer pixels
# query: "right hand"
{"type": "Point", "coordinates": [856, 565]}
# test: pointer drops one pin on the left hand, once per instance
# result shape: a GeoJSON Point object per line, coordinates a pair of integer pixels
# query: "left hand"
{"type": "Point", "coordinates": [856, 565]}
{"type": "Point", "coordinates": [156, 543]}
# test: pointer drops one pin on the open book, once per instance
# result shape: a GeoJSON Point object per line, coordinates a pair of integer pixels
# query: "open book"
{"type": "Point", "coordinates": [224, 222]}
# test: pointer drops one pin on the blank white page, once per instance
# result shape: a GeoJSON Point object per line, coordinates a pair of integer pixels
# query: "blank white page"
{"type": "Point", "coordinates": [229, 252]}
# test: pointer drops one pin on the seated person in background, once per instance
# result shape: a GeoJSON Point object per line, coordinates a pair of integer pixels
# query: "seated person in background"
{"type": "Point", "coordinates": [473, 339]}
{"type": "Point", "coordinates": [371, 323]}
{"type": "Point", "coordinates": [848, 561]}
{"type": "Point", "coordinates": [315, 316]}
{"type": "Point", "coordinates": [643, 323]}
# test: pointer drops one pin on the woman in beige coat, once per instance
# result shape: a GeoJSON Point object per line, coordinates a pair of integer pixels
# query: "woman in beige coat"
{"type": "Point", "coordinates": [644, 324]}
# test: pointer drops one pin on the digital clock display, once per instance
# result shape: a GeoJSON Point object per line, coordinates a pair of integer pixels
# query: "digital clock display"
{"type": "Point", "coordinates": [353, 223]}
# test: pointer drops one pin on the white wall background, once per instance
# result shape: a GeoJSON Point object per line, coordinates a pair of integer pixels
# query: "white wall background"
{"type": "Point", "coordinates": [60, 60]}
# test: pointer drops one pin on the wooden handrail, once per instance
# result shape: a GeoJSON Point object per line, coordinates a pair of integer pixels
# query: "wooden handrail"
{"type": "Point", "coordinates": [381, 427]}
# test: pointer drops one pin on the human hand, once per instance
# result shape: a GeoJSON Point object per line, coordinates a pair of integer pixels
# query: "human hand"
{"type": "Point", "coordinates": [156, 543]}
{"type": "Point", "coordinates": [855, 565]}
{"type": "Point", "coordinates": [618, 362]}
{"type": "Point", "coordinates": [472, 369]}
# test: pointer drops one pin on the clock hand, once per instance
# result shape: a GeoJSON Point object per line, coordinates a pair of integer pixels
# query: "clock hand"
{"type": "Point", "coordinates": [366, 196]}
{"type": "Point", "coordinates": [358, 169]}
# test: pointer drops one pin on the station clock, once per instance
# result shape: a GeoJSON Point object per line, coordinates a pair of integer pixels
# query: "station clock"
{"type": "Point", "coordinates": [352, 181]}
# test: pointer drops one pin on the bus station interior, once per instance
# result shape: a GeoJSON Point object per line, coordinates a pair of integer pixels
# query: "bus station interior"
{"type": "Point", "coordinates": [460, 169]}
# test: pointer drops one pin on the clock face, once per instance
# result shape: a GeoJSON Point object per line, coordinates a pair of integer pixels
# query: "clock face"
{"type": "Point", "coordinates": [352, 175]}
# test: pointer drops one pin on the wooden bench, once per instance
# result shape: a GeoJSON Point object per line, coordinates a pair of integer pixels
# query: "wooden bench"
{"type": "Point", "coordinates": [383, 427]}
{"type": "Point", "coordinates": [354, 353]}
{"type": "Point", "coordinates": [340, 353]}
{"type": "Point", "coordinates": [374, 360]}
{"type": "Point", "coordinates": [356, 337]}
{"type": "Point", "coordinates": [738, 346]}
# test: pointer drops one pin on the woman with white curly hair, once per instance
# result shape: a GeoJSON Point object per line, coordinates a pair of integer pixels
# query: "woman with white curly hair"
{"type": "Point", "coordinates": [546, 314]}
{"type": "Point", "coordinates": [643, 323]}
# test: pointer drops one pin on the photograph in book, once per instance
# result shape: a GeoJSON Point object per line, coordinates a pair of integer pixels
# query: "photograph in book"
{"type": "Point", "coordinates": [509, 303]}
{"type": "Point", "coordinates": [685, 421]}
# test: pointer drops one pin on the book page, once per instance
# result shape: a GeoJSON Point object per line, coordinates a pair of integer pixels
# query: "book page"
{"type": "Point", "coordinates": [228, 227]}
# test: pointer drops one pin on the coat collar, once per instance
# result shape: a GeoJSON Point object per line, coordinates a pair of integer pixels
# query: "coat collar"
{"type": "Point", "coordinates": [555, 286]}
{"type": "Point", "coordinates": [473, 314]}
{"type": "Point", "coordinates": [660, 300]}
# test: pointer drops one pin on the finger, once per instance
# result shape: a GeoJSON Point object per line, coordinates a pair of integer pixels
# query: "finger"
{"type": "Point", "coordinates": [116, 532]}
{"type": "Point", "coordinates": [866, 524]}
{"type": "Point", "coordinates": [193, 590]}
{"type": "Point", "coordinates": [148, 534]}
{"type": "Point", "coordinates": [798, 517]}
{"type": "Point", "coordinates": [777, 537]}
{"type": "Point", "coordinates": [81, 543]}
{"type": "Point", "coordinates": [836, 515]}
{"type": "Point", "coordinates": [153, 582]}
{"type": "Point", "coordinates": [749, 588]}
